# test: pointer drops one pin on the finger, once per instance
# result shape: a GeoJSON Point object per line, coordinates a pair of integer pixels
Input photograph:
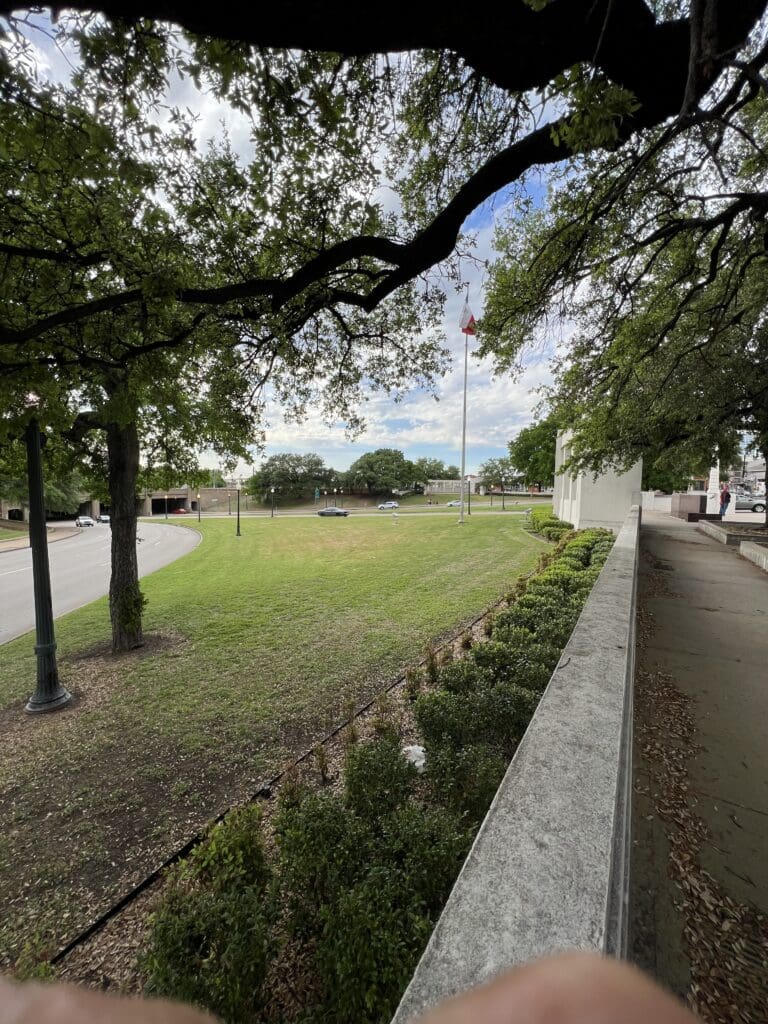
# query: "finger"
{"type": "Point", "coordinates": [29, 1003]}
{"type": "Point", "coordinates": [572, 988]}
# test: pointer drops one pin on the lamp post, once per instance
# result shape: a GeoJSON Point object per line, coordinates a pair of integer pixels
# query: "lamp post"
{"type": "Point", "coordinates": [502, 494]}
{"type": "Point", "coordinates": [334, 495]}
{"type": "Point", "coordinates": [272, 492]}
{"type": "Point", "coordinates": [238, 511]}
{"type": "Point", "coordinates": [166, 506]}
{"type": "Point", "coordinates": [341, 496]}
{"type": "Point", "coordinates": [469, 498]}
{"type": "Point", "coordinates": [229, 503]}
{"type": "Point", "coordinates": [198, 506]}
{"type": "Point", "coordinates": [326, 498]}
{"type": "Point", "coordinates": [49, 694]}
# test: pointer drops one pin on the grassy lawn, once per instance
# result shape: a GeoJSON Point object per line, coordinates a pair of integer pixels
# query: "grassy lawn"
{"type": "Point", "coordinates": [255, 647]}
{"type": "Point", "coordinates": [9, 533]}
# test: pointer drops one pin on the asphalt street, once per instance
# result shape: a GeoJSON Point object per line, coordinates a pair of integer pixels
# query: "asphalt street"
{"type": "Point", "coordinates": [80, 570]}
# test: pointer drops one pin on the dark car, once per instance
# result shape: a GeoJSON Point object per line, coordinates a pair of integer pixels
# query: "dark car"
{"type": "Point", "coordinates": [179, 512]}
{"type": "Point", "coordinates": [333, 511]}
{"type": "Point", "coordinates": [750, 503]}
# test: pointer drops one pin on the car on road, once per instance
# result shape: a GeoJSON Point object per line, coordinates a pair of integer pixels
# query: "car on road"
{"type": "Point", "coordinates": [84, 521]}
{"type": "Point", "coordinates": [333, 511]}
{"type": "Point", "coordinates": [179, 512]}
{"type": "Point", "coordinates": [103, 518]}
{"type": "Point", "coordinates": [389, 505]}
{"type": "Point", "coordinates": [453, 504]}
{"type": "Point", "coordinates": [750, 503]}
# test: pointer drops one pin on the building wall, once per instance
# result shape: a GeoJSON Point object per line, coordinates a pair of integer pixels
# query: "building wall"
{"type": "Point", "coordinates": [584, 501]}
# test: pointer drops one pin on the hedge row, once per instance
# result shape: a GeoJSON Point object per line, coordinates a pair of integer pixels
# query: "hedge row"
{"type": "Point", "coordinates": [357, 878]}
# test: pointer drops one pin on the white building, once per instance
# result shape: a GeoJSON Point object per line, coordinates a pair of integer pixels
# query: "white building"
{"type": "Point", "coordinates": [585, 500]}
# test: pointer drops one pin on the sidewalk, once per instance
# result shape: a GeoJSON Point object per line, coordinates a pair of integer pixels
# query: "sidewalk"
{"type": "Point", "coordinates": [52, 533]}
{"type": "Point", "coordinates": [700, 815]}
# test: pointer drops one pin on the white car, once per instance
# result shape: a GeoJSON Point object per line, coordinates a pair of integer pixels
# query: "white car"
{"type": "Point", "coordinates": [103, 518]}
{"type": "Point", "coordinates": [453, 504]}
{"type": "Point", "coordinates": [84, 521]}
{"type": "Point", "coordinates": [388, 505]}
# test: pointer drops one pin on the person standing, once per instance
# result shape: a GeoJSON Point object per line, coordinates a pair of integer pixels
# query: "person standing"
{"type": "Point", "coordinates": [725, 499]}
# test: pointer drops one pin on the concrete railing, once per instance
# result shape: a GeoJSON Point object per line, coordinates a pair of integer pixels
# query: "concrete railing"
{"type": "Point", "coordinates": [549, 867]}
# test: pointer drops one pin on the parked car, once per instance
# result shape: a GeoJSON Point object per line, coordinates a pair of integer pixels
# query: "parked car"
{"type": "Point", "coordinates": [103, 518]}
{"type": "Point", "coordinates": [453, 504]}
{"type": "Point", "coordinates": [84, 521]}
{"type": "Point", "coordinates": [333, 511]}
{"type": "Point", "coordinates": [750, 503]}
{"type": "Point", "coordinates": [179, 512]}
{"type": "Point", "coordinates": [389, 505]}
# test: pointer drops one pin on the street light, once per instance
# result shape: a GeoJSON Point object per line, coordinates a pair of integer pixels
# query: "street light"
{"type": "Point", "coordinates": [238, 511]}
{"type": "Point", "coordinates": [341, 496]}
{"type": "Point", "coordinates": [198, 506]}
{"type": "Point", "coordinates": [272, 492]}
{"type": "Point", "coordinates": [502, 494]}
{"type": "Point", "coordinates": [229, 503]}
{"type": "Point", "coordinates": [326, 498]}
{"type": "Point", "coordinates": [469, 498]}
{"type": "Point", "coordinates": [166, 506]}
{"type": "Point", "coordinates": [49, 694]}
{"type": "Point", "coordinates": [334, 495]}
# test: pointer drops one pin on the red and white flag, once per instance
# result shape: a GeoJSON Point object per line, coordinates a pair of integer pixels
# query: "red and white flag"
{"type": "Point", "coordinates": [467, 322]}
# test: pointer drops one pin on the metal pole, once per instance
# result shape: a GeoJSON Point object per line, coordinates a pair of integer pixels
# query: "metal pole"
{"type": "Point", "coordinates": [464, 427]}
{"type": "Point", "coordinates": [238, 513]}
{"type": "Point", "coordinates": [272, 516]}
{"type": "Point", "coordinates": [198, 508]}
{"type": "Point", "coordinates": [502, 496]}
{"type": "Point", "coordinates": [229, 503]}
{"type": "Point", "coordinates": [469, 498]}
{"type": "Point", "coordinates": [166, 506]}
{"type": "Point", "coordinates": [49, 694]}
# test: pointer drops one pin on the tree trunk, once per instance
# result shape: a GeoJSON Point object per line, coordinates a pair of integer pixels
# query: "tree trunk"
{"type": "Point", "coordinates": [126, 602]}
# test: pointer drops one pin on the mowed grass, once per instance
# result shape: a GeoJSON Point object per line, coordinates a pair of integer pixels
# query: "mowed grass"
{"type": "Point", "coordinates": [257, 646]}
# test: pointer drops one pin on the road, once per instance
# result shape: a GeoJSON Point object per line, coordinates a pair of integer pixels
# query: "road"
{"type": "Point", "coordinates": [80, 570]}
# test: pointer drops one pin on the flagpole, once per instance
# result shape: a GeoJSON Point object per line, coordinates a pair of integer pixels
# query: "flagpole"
{"type": "Point", "coordinates": [464, 428]}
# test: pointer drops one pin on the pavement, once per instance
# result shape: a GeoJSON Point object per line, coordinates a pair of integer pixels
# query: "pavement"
{"type": "Point", "coordinates": [53, 534]}
{"type": "Point", "coordinates": [700, 815]}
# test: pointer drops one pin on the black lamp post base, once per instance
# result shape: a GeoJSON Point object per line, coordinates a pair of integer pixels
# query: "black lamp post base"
{"type": "Point", "coordinates": [52, 703]}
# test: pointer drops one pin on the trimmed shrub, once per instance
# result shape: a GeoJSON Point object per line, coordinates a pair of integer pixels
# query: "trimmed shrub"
{"type": "Point", "coordinates": [466, 779]}
{"type": "Point", "coordinates": [211, 948]}
{"type": "Point", "coordinates": [378, 778]}
{"type": "Point", "coordinates": [370, 943]}
{"type": "Point", "coordinates": [463, 676]}
{"type": "Point", "coordinates": [497, 715]}
{"type": "Point", "coordinates": [323, 849]}
{"type": "Point", "coordinates": [428, 847]}
{"type": "Point", "coordinates": [232, 855]}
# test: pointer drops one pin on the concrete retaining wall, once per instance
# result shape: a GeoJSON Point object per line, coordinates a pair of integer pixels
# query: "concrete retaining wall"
{"type": "Point", "coordinates": [757, 553]}
{"type": "Point", "coordinates": [653, 502]}
{"type": "Point", "coordinates": [549, 867]}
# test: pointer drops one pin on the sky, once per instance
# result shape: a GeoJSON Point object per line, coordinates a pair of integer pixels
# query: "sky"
{"type": "Point", "coordinates": [422, 423]}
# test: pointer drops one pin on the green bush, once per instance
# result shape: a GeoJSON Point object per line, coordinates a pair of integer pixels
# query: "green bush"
{"type": "Point", "coordinates": [323, 849]}
{"type": "Point", "coordinates": [211, 948]}
{"type": "Point", "coordinates": [232, 854]}
{"type": "Point", "coordinates": [497, 714]}
{"type": "Point", "coordinates": [427, 847]}
{"type": "Point", "coordinates": [371, 940]}
{"type": "Point", "coordinates": [463, 676]}
{"type": "Point", "coordinates": [378, 778]}
{"type": "Point", "coordinates": [466, 779]}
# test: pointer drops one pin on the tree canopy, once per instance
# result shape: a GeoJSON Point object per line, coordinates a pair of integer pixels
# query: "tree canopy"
{"type": "Point", "coordinates": [454, 106]}
{"type": "Point", "coordinates": [383, 471]}
{"type": "Point", "coordinates": [532, 453]}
